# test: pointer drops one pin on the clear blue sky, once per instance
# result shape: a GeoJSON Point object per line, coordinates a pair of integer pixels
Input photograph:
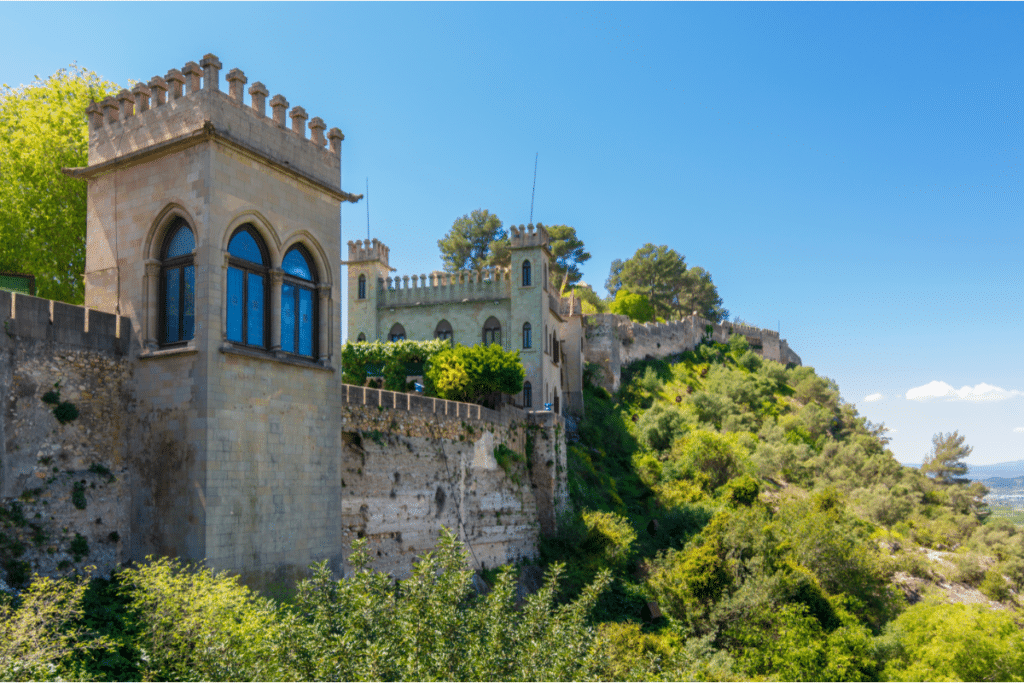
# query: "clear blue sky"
{"type": "Point", "coordinates": [850, 172]}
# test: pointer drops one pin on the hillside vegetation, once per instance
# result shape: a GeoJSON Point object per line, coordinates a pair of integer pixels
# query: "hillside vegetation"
{"type": "Point", "coordinates": [732, 520]}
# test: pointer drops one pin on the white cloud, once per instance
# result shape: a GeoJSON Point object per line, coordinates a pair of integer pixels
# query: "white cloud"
{"type": "Point", "coordinates": [1019, 430]}
{"type": "Point", "coordinates": [872, 397]}
{"type": "Point", "coordinates": [977, 393]}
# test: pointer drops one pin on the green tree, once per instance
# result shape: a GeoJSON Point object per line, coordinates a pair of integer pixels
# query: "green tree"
{"type": "Point", "coordinates": [636, 306]}
{"type": "Point", "coordinates": [470, 242]}
{"type": "Point", "coordinates": [197, 624]}
{"type": "Point", "coordinates": [699, 294]}
{"type": "Point", "coordinates": [592, 303]}
{"type": "Point", "coordinates": [659, 273]}
{"type": "Point", "coordinates": [43, 128]}
{"type": "Point", "coordinates": [569, 254]}
{"type": "Point", "coordinates": [614, 282]}
{"type": "Point", "coordinates": [946, 463]}
{"type": "Point", "coordinates": [475, 374]}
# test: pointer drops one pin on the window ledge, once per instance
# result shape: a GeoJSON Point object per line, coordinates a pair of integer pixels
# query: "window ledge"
{"type": "Point", "coordinates": [280, 357]}
{"type": "Point", "coordinates": [164, 353]}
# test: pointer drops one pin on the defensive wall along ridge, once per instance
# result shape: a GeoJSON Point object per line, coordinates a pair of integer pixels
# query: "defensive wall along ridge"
{"type": "Point", "coordinates": [614, 341]}
{"type": "Point", "coordinates": [116, 474]}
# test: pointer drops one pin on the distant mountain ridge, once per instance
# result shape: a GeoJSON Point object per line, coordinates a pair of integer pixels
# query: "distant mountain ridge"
{"type": "Point", "coordinates": [1005, 470]}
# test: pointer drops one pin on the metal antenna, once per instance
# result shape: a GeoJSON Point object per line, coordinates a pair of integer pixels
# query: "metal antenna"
{"type": "Point", "coordinates": [534, 192]}
{"type": "Point", "coordinates": [367, 207]}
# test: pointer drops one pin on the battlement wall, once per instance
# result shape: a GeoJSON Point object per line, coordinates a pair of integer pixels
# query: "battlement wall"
{"type": "Point", "coordinates": [189, 103]}
{"type": "Point", "coordinates": [614, 341]}
{"type": "Point", "coordinates": [52, 346]}
{"type": "Point", "coordinates": [467, 285]}
{"type": "Point", "coordinates": [529, 236]}
{"type": "Point", "coordinates": [368, 250]}
{"type": "Point", "coordinates": [63, 325]}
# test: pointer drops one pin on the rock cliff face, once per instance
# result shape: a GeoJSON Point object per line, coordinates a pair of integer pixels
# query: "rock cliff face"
{"type": "Point", "coordinates": [614, 341]}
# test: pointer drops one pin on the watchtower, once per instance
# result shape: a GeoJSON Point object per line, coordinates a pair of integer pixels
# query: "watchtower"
{"type": "Point", "coordinates": [367, 270]}
{"type": "Point", "coordinates": [215, 227]}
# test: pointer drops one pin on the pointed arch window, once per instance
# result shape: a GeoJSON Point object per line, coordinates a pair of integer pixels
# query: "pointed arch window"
{"type": "Point", "coordinates": [444, 331]}
{"type": "Point", "coordinates": [527, 280]}
{"type": "Point", "coordinates": [492, 331]}
{"type": "Point", "coordinates": [527, 336]}
{"type": "Point", "coordinates": [299, 305]}
{"type": "Point", "coordinates": [362, 286]}
{"type": "Point", "coordinates": [397, 333]}
{"type": "Point", "coordinates": [361, 337]}
{"type": "Point", "coordinates": [247, 319]}
{"type": "Point", "coordinates": [527, 395]}
{"type": "Point", "coordinates": [178, 285]}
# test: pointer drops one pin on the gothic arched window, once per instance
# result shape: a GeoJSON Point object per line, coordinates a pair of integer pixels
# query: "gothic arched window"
{"type": "Point", "coordinates": [361, 337]}
{"type": "Point", "coordinates": [527, 395]}
{"type": "Point", "coordinates": [526, 274]}
{"type": "Point", "coordinates": [444, 331]}
{"type": "Point", "coordinates": [492, 331]}
{"type": "Point", "coordinates": [247, 288]}
{"type": "Point", "coordinates": [178, 285]}
{"type": "Point", "coordinates": [362, 286]}
{"type": "Point", "coordinates": [397, 333]}
{"type": "Point", "coordinates": [527, 335]}
{"type": "Point", "coordinates": [299, 305]}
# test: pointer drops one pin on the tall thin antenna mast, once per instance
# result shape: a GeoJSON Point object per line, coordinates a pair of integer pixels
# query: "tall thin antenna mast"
{"type": "Point", "coordinates": [367, 207]}
{"type": "Point", "coordinates": [534, 192]}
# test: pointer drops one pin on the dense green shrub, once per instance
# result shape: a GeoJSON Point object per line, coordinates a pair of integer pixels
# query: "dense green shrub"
{"type": "Point", "coordinates": [934, 642]}
{"type": "Point", "coordinates": [392, 360]}
{"type": "Point", "coordinates": [474, 374]}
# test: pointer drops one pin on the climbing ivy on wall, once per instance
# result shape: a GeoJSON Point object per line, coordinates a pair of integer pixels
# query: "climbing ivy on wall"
{"type": "Point", "coordinates": [391, 360]}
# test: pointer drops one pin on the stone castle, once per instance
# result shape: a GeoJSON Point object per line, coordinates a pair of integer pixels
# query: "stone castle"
{"type": "Point", "coordinates": [212, 423]}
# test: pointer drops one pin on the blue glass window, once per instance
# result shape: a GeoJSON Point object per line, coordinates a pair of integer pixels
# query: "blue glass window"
{"type": "Point", "coordinates": [527, 281]}
{"type": "Point", "coordinates": [178, 290]}
{"type": "Point", "coordinates": [247, 290]}
{"type": "Point", "coordinates": [182, 243]}
{"type": "Point", "coordinates": [173, 305]}
{"type": "Point", "coordinates": [527, 335]}
{"type": "Point", "coordinates": [244, 246]}
{"type": "Point", "coordinates": [298, 304]}
{"type": "Point", "coordinates": [295, 265]}
{"type": "Point", "coordinates": [362, 286]}
{"type": "Point", "coordinates": [236, 302]}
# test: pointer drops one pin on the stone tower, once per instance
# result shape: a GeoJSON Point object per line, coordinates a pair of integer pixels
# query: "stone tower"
{"type": "Point", "coordinates": [215, 227]}
{"type": "Point", "coordinates": [367, 269]}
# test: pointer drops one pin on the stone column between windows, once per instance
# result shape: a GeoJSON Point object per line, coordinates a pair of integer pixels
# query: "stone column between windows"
{"type": "Point", "coordinates": [151, 292]}
{"type": "Point", "coordinates": [276, 280]}
{"type": "Point", "coordinates": [326, 323]}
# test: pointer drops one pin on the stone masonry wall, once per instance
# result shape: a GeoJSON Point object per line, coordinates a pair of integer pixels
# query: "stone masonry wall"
{"type": "Point", "coordinates": [614, 341]}
{"type": "Point", "coordinates": [43, 462]}
{"type": "Point", "coordinates": [411, 465]}
{"type": "Point", "coordinates": [404, 465]}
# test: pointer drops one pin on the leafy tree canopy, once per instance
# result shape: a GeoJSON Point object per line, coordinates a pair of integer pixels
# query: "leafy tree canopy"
{"type": "Point", "coordinates": [474, 374]}
{"type": "Point", "coordinates": [636, 306]}
{"type": "Point", "coordinates": [569, 253]}
{"type": "Point", "coordinates": [946, 463]}
{"type": "Point", "coordinates": [43, 128]}
{"type": "Point", "coordinates": [660, 274]}
{"type": "Point", "coordinates": [470, 244]}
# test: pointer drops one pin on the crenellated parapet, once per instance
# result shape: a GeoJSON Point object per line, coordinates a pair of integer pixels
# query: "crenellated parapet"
{"type": "Point", "coordinates": [614, 341]}
{"type": "Point", "coordinates": [491, 283]}
{"type": "Point", "coordinates": [368, 250]}
{"type": "Point", "coordinates": [529, 236]}
{"type": "Point", "coordinates": [189, 104]}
